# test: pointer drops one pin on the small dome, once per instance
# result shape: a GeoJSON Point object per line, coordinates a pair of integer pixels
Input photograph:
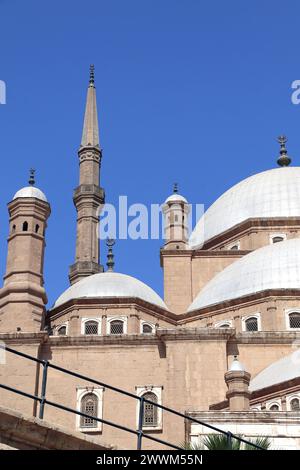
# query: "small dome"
{"type": "Point", "coordinates": [176, 198]}
{"type": "Point", "coordinates": [236, 365]}
{"type": "Point", "coordinates": [287, 368]}
{"type": "Point", "coordinates": [30, 191]}
{"type": "Point", "coordinates": [272, 193]}
{"type": "Point", "coordinates": [110, 284]}
{"type": "Point", "coordinates": [275, 266]}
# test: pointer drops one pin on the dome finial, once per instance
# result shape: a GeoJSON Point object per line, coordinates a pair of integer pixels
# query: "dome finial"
{"type": "Point", "coordinates": [110, 256]}
{"type": "Point", "coordinates": [175, 188]}
{"type": "Point", "coordinates": [31, 180]}
{"type": "Point", "coordinates": [92, 74]}
{"type": "Point", "coordinates": [284, 159]}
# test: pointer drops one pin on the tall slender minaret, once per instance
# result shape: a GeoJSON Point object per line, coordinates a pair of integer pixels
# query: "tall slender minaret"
{"type": "Point", "coordinates": [23, 297]}
{"type": "Point", "coordinates": [88, 196]}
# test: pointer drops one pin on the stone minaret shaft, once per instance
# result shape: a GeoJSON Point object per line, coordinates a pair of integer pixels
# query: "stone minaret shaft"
{"type": "Point", "coordinates": [88, 196]}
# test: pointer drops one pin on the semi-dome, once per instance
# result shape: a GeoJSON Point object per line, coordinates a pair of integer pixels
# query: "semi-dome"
{"type": "Point", "coordinates": [287, 368]}
{"type": "Point", "coordinates": [272, 193]}
{"type": "Point", "coordinates": [30, 191]}
{"type": "Point", "coordinates": [109, 285]}
{"type": "Point", "coordinates": [275, 266]}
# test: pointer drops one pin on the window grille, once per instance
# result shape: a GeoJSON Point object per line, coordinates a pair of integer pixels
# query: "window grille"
{"type": "Point", "coordinates": [150, 411]}
{"type": "Point", "coordinates": [251, 324]}
{"type": "Point", "coordinates": [91, 328]}
{"type": "Point", "coordinates": [274, 408]}
{"type": "Point", "coordinates": [89, 406]}
{"type": "Point", "coordinates": [147, 328]}
{"type": "Point", "coordinates": [294, 320]}
{"type": "Point", "coordinates": [62, 331]}
{"type": "Point", "coordinates": [116, 327]}
{"type": "Point", "coordinates": [295, 404]}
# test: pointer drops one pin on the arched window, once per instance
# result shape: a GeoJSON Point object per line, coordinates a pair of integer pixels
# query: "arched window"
{"type": "Point", "coordinates": [295, 404]}
{"type": "Point", "coordinates": [251, 324]}
{"type": "Point", "coordinates": [224, 325]}
{"type": "Point", "coordinates": [277, 239]}
{"type": "Point", "coordinates": [234, 247]}
{"type": "Point", "coordinates": [91, 327]}
{"type": "Point", "coordinates": [147, 329]}
{"type": "Point", "coordinates": [274, 407]}
{"type": "Point", "coordinates": [116, 327]}
{"type": "Point", "coordinates": [89, 406]}
{"type": "Point", "coordinates": [294, 320]}
{"type": "Point", "coordinates": [25, 226]}
{"type": "Point", "coordinates": [37, 227]}
{"type": "Point", "coordinates": [62, 330]}
{"type": "Point", "coordinates": [150, 410]}
{"type": "Point", "coordinates": [13, 228]}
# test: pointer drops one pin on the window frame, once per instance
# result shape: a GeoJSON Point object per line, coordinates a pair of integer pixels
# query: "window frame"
{"type": "Point", "coordinates": [231, 245]}
{"type": "Point", "coordinates": [119, 318]}
{"type": "Point", "coordinates": [272, 403]}
{"type": "Point", "coordinates": [87, 319]}
{"type": "Point", "coordinates": [57, 328]}
{"type": "Point", "coordinates": [81, 392]}
{"type": "Point", "coordinates": [222, 322]}
{"type": "Point", "coordinates": [144, 322]}
{"type": "Point", "coordinates": [157, 391]}
{"type": "Point", "coordinates": [245, 318]}
{"type": "Point", "coordinates": [275, 235]}
{"type": "Point", "coordinates": [288, 311]}
{"type": "Point", "coordinates": [290, 399]}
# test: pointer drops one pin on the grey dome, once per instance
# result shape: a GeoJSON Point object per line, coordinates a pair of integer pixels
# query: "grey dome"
{"type": "Point", "coordinates": [287, 368]}
{"type": "Point", "coordinates": [272, 193]}
{"type": "Point", "coordinates": [30, 191]}
{"type": "Point", "coordinates": [275, 266]}
{"type": "Point", "coordinates": [110, 284]}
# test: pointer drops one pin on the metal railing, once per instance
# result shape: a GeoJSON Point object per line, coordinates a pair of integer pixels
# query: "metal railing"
{"type": "Point", "coordinates": [140, 434]}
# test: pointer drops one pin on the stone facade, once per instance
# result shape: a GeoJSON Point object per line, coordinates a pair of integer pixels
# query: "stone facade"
{"type": "Point", "coordinates": [181, 357]}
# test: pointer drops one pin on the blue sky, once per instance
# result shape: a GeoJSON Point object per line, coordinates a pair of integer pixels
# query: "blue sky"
{"type": "Point", "coordinates": [188, 90]}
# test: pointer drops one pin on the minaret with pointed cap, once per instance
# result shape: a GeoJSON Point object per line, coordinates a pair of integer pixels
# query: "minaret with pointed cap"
{"type": "Point", "coordinates": [88, 196]}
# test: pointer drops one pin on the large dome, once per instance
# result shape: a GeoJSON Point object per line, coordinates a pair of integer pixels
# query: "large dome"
{"type": "Point", "coordinates": [272, 193]}
{"type": "Point", "coordinates": [275, 266]}
{"type": "Point", "coordinates": [108, 285]}
{"type": "Point", "coordinates": [287, 368]}
{"type": "Point", "coordinates": [30, 191]}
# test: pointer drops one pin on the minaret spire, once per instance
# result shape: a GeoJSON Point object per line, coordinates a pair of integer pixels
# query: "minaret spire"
{"type": "Point", "coordinates": [110, 254]}
{"type": "Point", "coordinates": [284, 159]}
{"type": "Point", "coordinates": [92, 75]}
{"type": "Point", "coordinates": [90, 133]}
{"type": "Point", "coordinates": [88, 196]}
{"type": "Point", "coordinates": [31, 180]}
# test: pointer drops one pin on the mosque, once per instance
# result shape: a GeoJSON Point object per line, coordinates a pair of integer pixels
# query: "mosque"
{"type": "Point", "coordinates": [222, 346]}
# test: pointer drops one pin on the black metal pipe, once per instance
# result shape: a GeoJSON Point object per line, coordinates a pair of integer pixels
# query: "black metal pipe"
{"type": "Point", "coordinates": [43, 391]}
{"type": "Point", "coordinates": [141, 421]}
{"type": "Point", "coordinates": [19, 392]}
{"type": "Point", "coordinates": [139, 433]}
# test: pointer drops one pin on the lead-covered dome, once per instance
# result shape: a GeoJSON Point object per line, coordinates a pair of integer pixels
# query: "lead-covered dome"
{"type": "Point", "coordinates": [272, 193]}
{"type": "Point", "coordinates": [287, 368]}
{"type": "Point", "coordinates": [275, 266]}
{"type": "Point", "coordinates": [109, 285]}
{"type": "Point", "coordinates": [30, 191]}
